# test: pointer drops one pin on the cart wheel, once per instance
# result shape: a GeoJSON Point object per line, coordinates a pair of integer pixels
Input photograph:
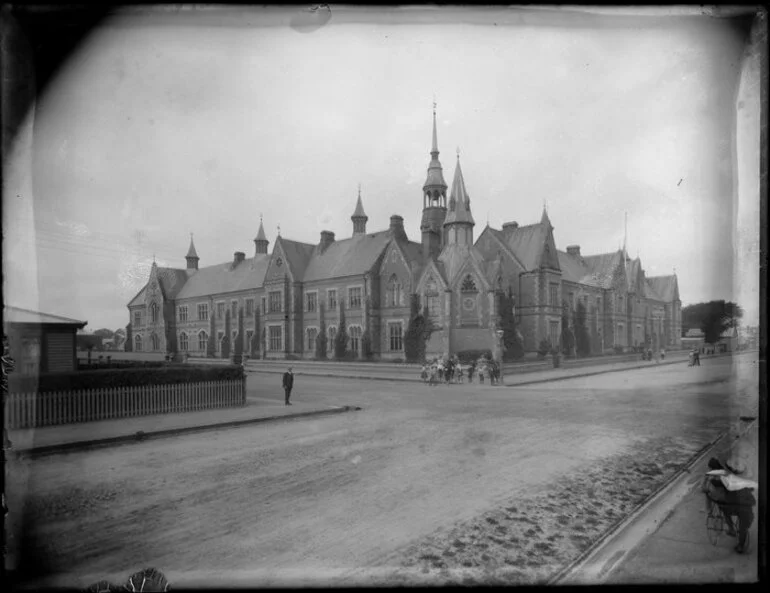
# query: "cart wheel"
{"type": "Point", "coordinates": [714, 524]}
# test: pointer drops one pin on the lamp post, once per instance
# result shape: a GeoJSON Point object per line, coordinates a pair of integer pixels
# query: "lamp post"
{"type": "Point", "coordinates": [499, 334]}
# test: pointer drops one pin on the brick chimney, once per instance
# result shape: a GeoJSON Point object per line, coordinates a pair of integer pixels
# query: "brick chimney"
{"type": "Point", "coordinates": [397, 227]}
{"type": "Point", "coordinates": [510, 226]}
{"type": "Point", "coordinates": [238, 257]}
{"type": "Point", "coordinates": [573, 250]}
{"type": "Point", "coordinates": [327, 238]}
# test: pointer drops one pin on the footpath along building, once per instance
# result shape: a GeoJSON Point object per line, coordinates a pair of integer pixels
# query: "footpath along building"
{"type": "Point", "coordinates": [373, 275]}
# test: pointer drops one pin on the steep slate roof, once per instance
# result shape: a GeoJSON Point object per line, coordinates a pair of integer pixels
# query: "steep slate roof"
{"type": "Point", "coordinates": [299, 255]}
{"type": "Point", "coordinates": [18, 315]}
{"type": "Point", "coordinates": [454, 256]}
{"type": "Point", "coordinates": [602, 267]}
{"type": "Point", "coordinates": [171, 281]}
{"type": "Point", "coordinates": [223, 278]}
{"type": "Point", "coordinates": [348, 257]}
{"type": "Point", "coordinates": [139, 298]}
{"type": "Point", "coordinates": [633, 267]}
{"type": "Point", "coordinates": [664, 286]}
{"type": "Point", "coordinates": [527, 243]}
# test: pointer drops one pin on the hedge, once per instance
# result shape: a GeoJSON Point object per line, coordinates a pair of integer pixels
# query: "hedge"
{"type": "Point", "coordinates": [106, 378]}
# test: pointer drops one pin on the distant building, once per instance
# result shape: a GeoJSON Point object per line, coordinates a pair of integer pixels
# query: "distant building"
{"type": "Point", "coordinates": [41, 342]}
{"type": "Point", "coordinates": [374, 275]}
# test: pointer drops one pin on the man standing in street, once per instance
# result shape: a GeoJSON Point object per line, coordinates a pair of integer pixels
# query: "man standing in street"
{"type": "Point", "coordinates": [288, 383]}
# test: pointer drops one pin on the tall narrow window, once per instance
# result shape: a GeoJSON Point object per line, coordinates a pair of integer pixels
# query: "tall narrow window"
{"type": "Point", "coordinates": [354, 331]}
{"type": "Point", "coordinates": [220, 310]}
{"type": "Point", "coordinates": [183, 313]}
{"type": "Point", "coordinates": [154, 312]}
{"type": "Point", "coordinates": [155, 342]}
{"type": "Point", "coordinates": [183, 343]}
{"type": "Point", "coordinates": [249, 307]}
{"type": "Point", "coordinates": [275, 338]}
{"type": "Point", "coordinates": [396, 333]}
{"type": "Point", "coordinates": [137, 343]}
{"type": "Point", "coordinates": [554, 295]}
{"type": "Point", "coordinates": [203, 339]}
{"type": "Point", "coordinates": [393, 298]}
{"type": "Point", "coordinates": [203, 312]}
{"type": "Point", "coordinates": [354, 297]}
{"type": "Point", "coordinates": [275, 301]}
{"type": "Point", "coordinates": [331, 296]}
{"type": "Point", "coordinates": [311, 301]}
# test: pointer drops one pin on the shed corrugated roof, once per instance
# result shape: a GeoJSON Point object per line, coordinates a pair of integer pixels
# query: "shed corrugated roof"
{"type": "Point", "coordinates": [223, 278]}
{"type": "Point", "coordinates": [18, 315]}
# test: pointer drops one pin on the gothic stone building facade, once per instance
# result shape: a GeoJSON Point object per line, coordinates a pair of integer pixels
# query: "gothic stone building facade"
{"type": "Point", "coordinates": [300, 287]}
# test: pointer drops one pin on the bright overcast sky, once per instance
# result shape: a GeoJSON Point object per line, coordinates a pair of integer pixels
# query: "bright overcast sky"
{"type": "Point", "coordinates": [160, 126]}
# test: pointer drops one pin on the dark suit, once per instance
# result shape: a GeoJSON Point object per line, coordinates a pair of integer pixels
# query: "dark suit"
{"type": "Point", "coordinates": [288, 383]}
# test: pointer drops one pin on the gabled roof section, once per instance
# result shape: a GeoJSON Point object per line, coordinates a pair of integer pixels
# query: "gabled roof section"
{"type": "Point", "coordinates": [298, 256]}
{"type": "Point", "coordinates": [573, 269]}
{"type": "Point", "coordinates": [223, 278]}
{"type": "Point", "coordinates": [139, 298]}
{"type": "Point", "coordinates": [527, 243]}
{"type": "Point", "coordinates": [171, 280]}
{"type": "Point", "coordinates": [348, 257]}
{"type": "Point", "coordinates": [499, 237]}
{"type": "Point", "coordinates": [666, 287]}
{"type": "Point", "coordinates": [19, 315]}
{"type": "Point", "coordinates": [603, 268]}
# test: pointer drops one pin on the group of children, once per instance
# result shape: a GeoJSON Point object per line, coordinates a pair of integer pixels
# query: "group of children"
{"type": "Point", "coordinates": [450, 370]}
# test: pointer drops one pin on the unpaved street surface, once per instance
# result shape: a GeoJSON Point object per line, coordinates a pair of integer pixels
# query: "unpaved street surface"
{"type": "Point", "coordinates": [468, 484]}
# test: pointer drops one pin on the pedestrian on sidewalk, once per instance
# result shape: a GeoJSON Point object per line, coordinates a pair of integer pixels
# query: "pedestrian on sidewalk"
{"type": "Point", "coordinates": [288, 383]}
{"type": "Point", "coordinates": [697, 358]}
{"type": "Point", "coordinates": [735, 504]}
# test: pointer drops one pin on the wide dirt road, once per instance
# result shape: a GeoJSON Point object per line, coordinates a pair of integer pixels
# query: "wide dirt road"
{"type": "Point", "coordinates": [414, 484]}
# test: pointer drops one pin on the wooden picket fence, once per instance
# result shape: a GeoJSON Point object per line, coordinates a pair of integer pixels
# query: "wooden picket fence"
{"type": "Point", "coordinates": [33, 410]}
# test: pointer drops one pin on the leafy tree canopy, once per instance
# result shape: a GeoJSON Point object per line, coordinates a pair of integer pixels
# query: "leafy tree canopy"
{"type": "Point", "coordinates": [713, 318]}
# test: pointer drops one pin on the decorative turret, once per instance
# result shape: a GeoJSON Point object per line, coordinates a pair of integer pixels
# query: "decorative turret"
{"type": "Point", "coordinates": [260, 241]}
{"type": "Point", "coordinates": [459, 223]}
{"type": "Point", "coordinates": [192, 256]}
{"type": "Point", "coordinates": [434, 201]}
{"type": "Point", "coordinates": [359, 217]}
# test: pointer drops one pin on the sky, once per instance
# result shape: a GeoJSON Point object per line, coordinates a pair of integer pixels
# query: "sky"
{"type": "Point", "coordinates": [166, 123]}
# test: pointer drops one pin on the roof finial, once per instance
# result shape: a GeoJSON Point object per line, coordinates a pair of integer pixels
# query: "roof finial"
{"type": "Point", "coordinates": [458, 153]}
{"type": "Point", "coordinates": [625, 232]}
{"type": "Point", "coordinates": [279, 230]}
{"type": "Point", "coordinates": [191, 236]}
{"type": "Point", "coordinates": [260, 218]}
{"type": "Point", "coordinates": [153, 259]}
{"type": "Point", "coordinates": [359, 189]}
{"type": "Point", "coordinates": [434, 103]}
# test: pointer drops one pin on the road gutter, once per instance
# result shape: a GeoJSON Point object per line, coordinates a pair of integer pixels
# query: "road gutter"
{"type": "Point", "coordinates": [597, 563]}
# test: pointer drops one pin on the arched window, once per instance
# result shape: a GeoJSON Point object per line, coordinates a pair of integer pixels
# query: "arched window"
{"type": "Point", "coordinates": [183, 342]}
{"type": "Point", "coordinates": [468, 284]}
{"type": "Point", "coordinates": [154, 312]}
{"type": "Point", "coordinates": [394, 292]}
{"type": "Point", "coordinates": [332, 331]}
{"type": "Point", "coordinates": [432, 299]}
{"type": "Point", "coordinates": [155, 342]}
{"type": "Point", "coordinates": [354, 331]}
{"type": "Point", "coordinates": [137, 343]}
{"type": "Point", "coordinates": [312, 332]}
{"type": "Point", "coordinates": [203, 339]}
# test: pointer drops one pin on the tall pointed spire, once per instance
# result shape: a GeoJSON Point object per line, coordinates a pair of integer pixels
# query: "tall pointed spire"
{"type": "Point", "coordinates": [459, 201]}
{"type": "Point", "coordinates": [544, 218]}
{"type": "Point", "coordinates": [359, 217]}
{"type": "Point", "coordinates": [435, 187]}
{"type": "Point", "coordinates": [192, 256]}
{"type": "Point", "coordinates": [260, 241]}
